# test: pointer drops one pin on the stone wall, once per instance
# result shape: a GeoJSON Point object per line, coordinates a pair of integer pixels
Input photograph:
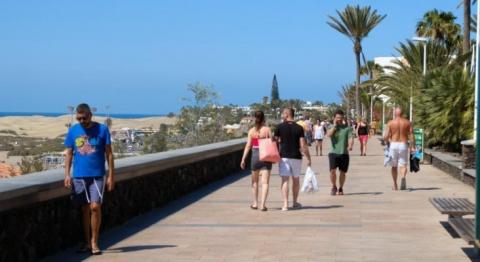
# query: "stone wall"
{"type": "Point", "coordinates": [468, 154]}
{"type": "Point", "coordinates": [450, 165]}
{"type": "Point", "coordinates": [37, 217]}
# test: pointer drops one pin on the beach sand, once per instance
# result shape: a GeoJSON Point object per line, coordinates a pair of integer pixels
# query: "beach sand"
{"type": "Point", "coordinates": [51, 127]}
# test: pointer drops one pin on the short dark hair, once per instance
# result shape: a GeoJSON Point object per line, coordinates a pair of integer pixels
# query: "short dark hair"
{"type": "Point", "coordinates": [83, 108]}
{"type": "Point", "coordinates": [339, 112]}
{"type": "Point", "coordinates": [291, 111]}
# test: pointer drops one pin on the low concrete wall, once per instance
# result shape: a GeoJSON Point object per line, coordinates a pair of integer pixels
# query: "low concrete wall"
{"type": "Point", "coordinates": [37, 217]}
{"type": "Point", "coordinates": [450, 165]}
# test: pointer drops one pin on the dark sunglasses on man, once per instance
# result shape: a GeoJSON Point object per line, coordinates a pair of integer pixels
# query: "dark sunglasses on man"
{"type": "Point", "coordinates": [82, 118]}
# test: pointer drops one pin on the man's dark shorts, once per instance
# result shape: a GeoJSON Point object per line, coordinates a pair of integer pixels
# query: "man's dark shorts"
{"type": "Point", "coordinates": [339, 161]}
{"type": "Point", "coordinates": [88, 190]}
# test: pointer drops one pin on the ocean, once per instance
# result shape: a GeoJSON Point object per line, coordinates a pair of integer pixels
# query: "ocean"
{"type": "Point", "coordinates": [124, 116]}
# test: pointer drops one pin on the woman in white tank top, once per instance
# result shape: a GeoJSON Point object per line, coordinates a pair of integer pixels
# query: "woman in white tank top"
{"type": "Point", "coordinates": [318, 135]}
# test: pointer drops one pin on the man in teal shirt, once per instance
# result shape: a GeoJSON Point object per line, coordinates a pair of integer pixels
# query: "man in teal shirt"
{"type": "Point", "coordinates": [341, 136]}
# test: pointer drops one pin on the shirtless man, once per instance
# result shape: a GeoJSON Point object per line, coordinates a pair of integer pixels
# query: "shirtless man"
{"type": "Point", "coordinates": [399, 132]}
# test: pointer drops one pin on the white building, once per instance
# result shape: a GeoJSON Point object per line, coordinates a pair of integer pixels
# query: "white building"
{"type": "Point", "coordinates": [388, 61]}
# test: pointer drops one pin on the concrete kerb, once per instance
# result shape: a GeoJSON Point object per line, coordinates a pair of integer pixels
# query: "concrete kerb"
{"type": "Point", "coordinates": [42, 186]}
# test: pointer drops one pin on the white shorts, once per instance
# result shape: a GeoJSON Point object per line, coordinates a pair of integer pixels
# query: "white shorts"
{"type": "Point", "coordinates": [399, 154]}
{"type": "Point", "coordinates": [290, 167]}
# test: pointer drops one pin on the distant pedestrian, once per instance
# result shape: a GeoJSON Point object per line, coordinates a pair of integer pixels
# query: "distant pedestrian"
{"type": "Point", "coordinates": [88, 144]}
{"type": "Point", "coordinates": [373, 127]}
{"type": "Point", "coordinates": [319, 131]}
{"type": "Point", "coordinates": [398, 132]}
{"type": "Point", "coordinates": [308, 131]}
{"type": "Point", "coordinates": [259, 168]}
{"type": "Point", "coordinates": [291, 137]}
{"type": "Point", "coordinates": [342, 141]}
{"type": "Point", "coordinates": [362, 134]}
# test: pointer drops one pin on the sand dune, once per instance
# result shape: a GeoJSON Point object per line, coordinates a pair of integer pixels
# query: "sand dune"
{"type": "Point", "coordinates": [51, 127]}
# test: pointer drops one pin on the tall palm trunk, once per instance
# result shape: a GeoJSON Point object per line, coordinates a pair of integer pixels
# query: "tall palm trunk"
{"type": "Point", "coordinates": [357, 49]}
{"type": "Point", "coordinates": [466, 25]}
{"type": "Point", "coordinates": [370, 113]}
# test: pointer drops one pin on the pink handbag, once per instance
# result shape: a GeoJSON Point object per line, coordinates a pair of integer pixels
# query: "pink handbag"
{"type": "Point", "coordinates": [268, 150]}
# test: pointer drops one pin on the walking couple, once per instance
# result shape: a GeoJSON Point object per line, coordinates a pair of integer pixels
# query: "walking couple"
{"type": "Point", "coordinates": [291, 139]}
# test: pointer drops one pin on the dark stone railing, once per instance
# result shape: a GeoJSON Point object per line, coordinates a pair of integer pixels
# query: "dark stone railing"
{"type": "Point", "coordinates": [451, 165]}
{"type": "Point", "coordinates": [468, 154]}
{"type": "Point", "coordinates": [37, 217]}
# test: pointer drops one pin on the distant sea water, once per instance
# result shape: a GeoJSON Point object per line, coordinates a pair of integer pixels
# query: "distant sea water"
{"type": "Point", "coordinates": [124, 116]}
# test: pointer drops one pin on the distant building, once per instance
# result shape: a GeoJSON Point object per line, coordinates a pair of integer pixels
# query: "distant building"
{"type": "Point", "coordinates": [246, 110]}
{"type": "Point", "coordinates": [7, 170]}
{"type": "Point", "coordinates": [308, 106]}
{"type": "Point", "coordinates": [248, 120]}
{"type": "Point", "coordinates": [53, 160]}
{"type": "Point", "coordinates": [203, 120]}
{"type": "Point", "coordinates": [388, 61]}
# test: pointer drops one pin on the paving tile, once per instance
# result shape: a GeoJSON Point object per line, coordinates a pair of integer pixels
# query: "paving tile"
{"type": "Point", "coordinates": [369, 223]}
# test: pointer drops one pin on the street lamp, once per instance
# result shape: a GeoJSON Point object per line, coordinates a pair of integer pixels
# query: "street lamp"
{"type": "Point", "coordinates": [372, 98]}
{"type": "Point", "coordinates": [93, 109]}
{"type": "Point", "coordinates": [423, 40]}
{"type": "Point", "coordinates": [108, 110]}
{"type": "Point", "coordinates": [70, 111]}
{"type": "Point", "coordinates": [477, 137]}
{"type": "Point", "coordinates": [384, 99]}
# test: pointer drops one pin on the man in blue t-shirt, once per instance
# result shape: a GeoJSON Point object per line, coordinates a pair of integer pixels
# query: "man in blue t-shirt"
{"type": "Point", "coordinates": [88, 144]}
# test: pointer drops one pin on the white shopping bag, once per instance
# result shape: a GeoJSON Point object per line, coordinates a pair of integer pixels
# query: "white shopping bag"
{"type": "Point", "coordinates": [388, 157]}
{"type": "Point", "coordinates": [310, 184]}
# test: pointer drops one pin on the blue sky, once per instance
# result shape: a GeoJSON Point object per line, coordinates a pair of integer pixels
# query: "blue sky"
{"type": "Point", "coordinates": [138, 56]}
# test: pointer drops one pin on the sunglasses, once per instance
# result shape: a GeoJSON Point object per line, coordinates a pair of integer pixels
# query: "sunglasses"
{"type": "Point", "coordinates": [82, 118]}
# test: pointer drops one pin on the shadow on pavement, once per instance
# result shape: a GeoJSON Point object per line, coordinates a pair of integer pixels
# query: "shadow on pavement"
{"type": "Point", "coordinates": [136, 248]}
{"type": "Point", "coordinates": [449, 229]}
{"type": "Point", "coordinates": [472, 253]}
{"type": "Point", "coordinates": [423, 189]}
{"type": "Point", "coordinates": [321, 207]}
{"type": "Point", "coordinates": [139, 223]}
{"type": "Point", "coordinates": [364, 193]}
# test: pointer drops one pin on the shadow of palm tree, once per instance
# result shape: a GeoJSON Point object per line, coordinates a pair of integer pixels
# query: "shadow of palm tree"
{"type": "Point", "coordinates": [322, 207]}
{"type": "Point", "coordinates": [364, 193]}
{"type": "Point", "coordinates": [136, 248]}
{"type": "Point", "coordinates": [423, 189]}
{"type": "Point", "coordinates": [306, 207]}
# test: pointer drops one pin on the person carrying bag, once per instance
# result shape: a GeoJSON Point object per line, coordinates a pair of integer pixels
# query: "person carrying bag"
{"type": "Point", "coordinates": [259, 142]}
{"type": "Point", "coordinates": [269, 150]}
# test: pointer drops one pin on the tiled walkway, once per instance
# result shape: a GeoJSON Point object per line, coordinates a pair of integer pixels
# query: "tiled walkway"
{"type": "Point", "coordinates": [369, 223]}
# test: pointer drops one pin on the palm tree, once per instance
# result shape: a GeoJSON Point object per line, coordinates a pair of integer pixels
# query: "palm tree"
{"type": "Point", "coordinates": [432, 92]}
{"type": "Point", "coordinates": [452, 87]}
{"type": "Point", "coordinates": [473, 24]}
{"type": "Point", "coordinates": [440, 26]}
{"type": "Point", "coordinates": [356, 22]}
{"type": "Point", "coordinates": [374, 72]}
{"type": "Point", "coordinates": [347, 95]}
{"type": "Point", "coordinates": [371, 69]}
{"type": "Point", "coordinates": [467, 23]}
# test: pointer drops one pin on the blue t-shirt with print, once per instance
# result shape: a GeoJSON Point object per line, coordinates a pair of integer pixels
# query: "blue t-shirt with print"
{"type": "Point", "coordinates": [88, 146]}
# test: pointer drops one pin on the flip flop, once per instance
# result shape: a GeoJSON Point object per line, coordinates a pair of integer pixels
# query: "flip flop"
{"type": "Point", "coordinates": [264, 209]}
{"type": "Point", "coordinates": [334, 190]}
{"type": "Point", "coordinates": [83, 248]}
{"type": "Point", "coordinates": [96, 251]}
{"type": "Point", "coordinates": [253, 208]}
{"type": "Point", "coordinates": [297, 206]}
